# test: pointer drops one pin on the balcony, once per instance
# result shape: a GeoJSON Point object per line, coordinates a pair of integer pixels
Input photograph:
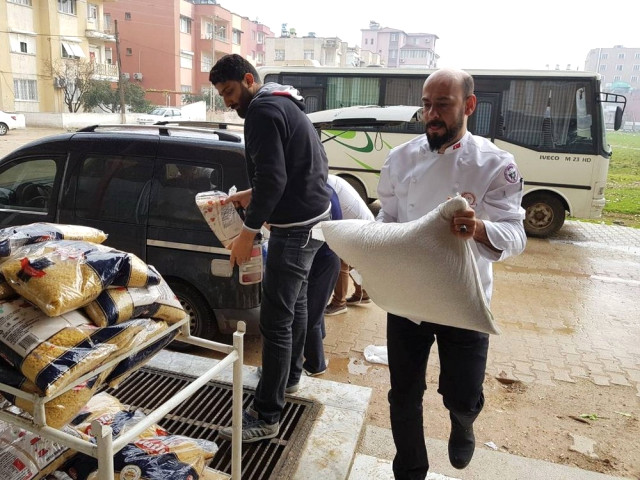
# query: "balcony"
{"type": "Point", "coordinates": [98, 35]}
{"type": "Point", "coordinates": [105, 71]}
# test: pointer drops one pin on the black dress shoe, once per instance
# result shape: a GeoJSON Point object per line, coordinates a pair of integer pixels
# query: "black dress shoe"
{"type": "Point", "coordinates": [462, 443]}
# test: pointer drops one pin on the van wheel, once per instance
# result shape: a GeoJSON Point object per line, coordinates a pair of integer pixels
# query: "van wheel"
{"type": "Point", "coordinates": [202, 320]}
{"type": "Point", "coordinates": [3, 129]}
{"type": "Point", "coordinates": [545, 214]}
{"type": "Point", "coordinates": [358, 187]}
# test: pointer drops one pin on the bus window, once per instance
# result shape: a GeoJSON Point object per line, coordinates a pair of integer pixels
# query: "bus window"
{"type": "Point", "coordinates": [351, 91]}
{"type": "Point", "coordinates": [544, 115]}
{"type": "Point", "coordinates": [483, 119]}
{"type": "Point", "coordinates": [403, 91]}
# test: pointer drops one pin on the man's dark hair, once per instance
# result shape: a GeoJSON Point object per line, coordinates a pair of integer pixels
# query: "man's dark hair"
{"type": "Point", "coordinates": [232, 67]}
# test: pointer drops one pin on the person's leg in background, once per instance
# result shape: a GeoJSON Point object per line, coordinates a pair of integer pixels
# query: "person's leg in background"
{"type": "Point", "coordinates": [360, 295]}
{"type": "Point", "coordinates": [338, 303]}
{"type": "Point", "coordinates": [322, 277]}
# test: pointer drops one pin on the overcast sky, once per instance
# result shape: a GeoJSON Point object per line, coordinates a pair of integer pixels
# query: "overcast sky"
{"type": "Point", "coordinates": [472, 34]}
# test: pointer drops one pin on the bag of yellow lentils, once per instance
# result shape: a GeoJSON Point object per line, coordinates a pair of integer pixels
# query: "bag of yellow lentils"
{"type": "Point", "coordinates": [61, 275]}
{"type": "Point", "coordinates": [52, 352]}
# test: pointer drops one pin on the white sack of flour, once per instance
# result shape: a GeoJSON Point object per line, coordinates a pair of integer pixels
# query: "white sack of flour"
{"type": "Point", "coordinates": [417, 269]}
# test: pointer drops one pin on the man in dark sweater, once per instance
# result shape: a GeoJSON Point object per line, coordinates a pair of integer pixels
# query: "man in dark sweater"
{"type": "Point", "coordinates": [288, 170]}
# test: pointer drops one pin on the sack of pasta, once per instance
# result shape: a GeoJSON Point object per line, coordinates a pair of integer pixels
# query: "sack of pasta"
{"type": "Point", "coordinates": [27, 456]}
{"type": "Point", "coordinates": [12, 238]}
{"type": "Point", "coordinates": [133, 362]}
{"type": "Point", "coordinates": [52, 352]}
{"type": "Point", "coordinates": [154, 455]}
{"type": "Point", "coordinates": [62, 275]}
{"type": "Point", "coordinates": [116, 305]}
{"type": "Point", "coordinates": [109, 411]}
{"type": "Point", "coordinates": [5, 289]}
{"type": "Point", "coordinates": [172, 457]}
{"type": "Point", "coordinates": [223, 220]}
{"type": "Point", "coordinates": [59, 410]}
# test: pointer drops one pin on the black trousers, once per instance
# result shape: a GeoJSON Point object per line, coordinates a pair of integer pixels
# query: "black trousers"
{"type": "Point", "coordinates": [463, 360]}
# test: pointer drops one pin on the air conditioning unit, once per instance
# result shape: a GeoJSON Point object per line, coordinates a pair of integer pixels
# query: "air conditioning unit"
{"type": "Point", "coordinates": [137, 76]}
{"type": "Point", "coordinates": [125, 76]}
{"type": "Point", "coordinates": [59, 82]}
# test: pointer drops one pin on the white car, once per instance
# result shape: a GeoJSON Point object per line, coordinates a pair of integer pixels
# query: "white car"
{"type": "Point", "coordinates": [161, 114]}
{"type": "Point", "coordinates": [8, 121]}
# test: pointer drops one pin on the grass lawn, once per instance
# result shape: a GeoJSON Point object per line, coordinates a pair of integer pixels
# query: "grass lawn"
{"type": "Point", "coordinates": [623, 182]}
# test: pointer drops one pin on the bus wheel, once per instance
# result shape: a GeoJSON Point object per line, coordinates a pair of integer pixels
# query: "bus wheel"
{"type": "Point", "coordinates": [545, 214]}
{"type": "Point", "coordinates": [202, 321]}
{"type": "Point", "coordinates": [358, 187]}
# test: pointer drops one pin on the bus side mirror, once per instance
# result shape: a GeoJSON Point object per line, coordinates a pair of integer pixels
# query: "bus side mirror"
{"type": "Point", "coordinates": [617, 122]}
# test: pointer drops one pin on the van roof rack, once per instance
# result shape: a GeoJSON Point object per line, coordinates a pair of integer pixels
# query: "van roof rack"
{"type": "Point", "coordinates": [164, 129]}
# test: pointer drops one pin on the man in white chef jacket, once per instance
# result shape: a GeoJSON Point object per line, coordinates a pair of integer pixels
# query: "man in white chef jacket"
{"type": "Point", "coordinates": [416, 177]}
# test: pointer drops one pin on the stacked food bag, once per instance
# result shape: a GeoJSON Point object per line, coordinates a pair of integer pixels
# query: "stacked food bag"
{"type": "Point", "coordinates": [69, 305]}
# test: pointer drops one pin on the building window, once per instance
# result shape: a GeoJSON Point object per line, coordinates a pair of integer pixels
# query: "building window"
{"type": "Point", "coordinates": [19, 43]}
{"type": "Point", "coordinates": [236, 36]}
{"type": "Point", "coordinates": [107, 22]}
{"type": "Point", "coordinates": [260, 38]}
{"type": "Point", "coordinates": [634, 79]}
{"type": "Point", "coordinates": [604, 56]}
{"type": "Point", "coordinates": [108, 55]}
{"type": "Point", "coordinates": [636, 68]}
{"type": "Point", "coordinates": [25, 89]}
{"type": "Point", "coordinates": [92, 12]}
{"type": "Point", "coordinates": [308, 54]}
{"type": "Point", "coordinates": [621, 56]}
{"type": "Point", "coordinates": [127, 15]}
{"type": "Point", "coordinates": [186, 61]}
{"type": "Point", "coordinates": [206, 62]}
{"type": "Point", "coordinates": [603, 68]}
{"type": "Point", "coordinates": [279, 55]}
{"type": "Point", "coordinates": [129, 51]}
{"type": "Point", "coordinates": [21, 2]}
{"type": "Point", "coordinates": [617, 78]}
{"type": "Point", "coordinates": [185, 24]}
{"type": "Point", "coordinates": [67, 6]}
{"type": "Point", "coordinates": [221, 32]}
{"type": "Point", "coordinates": [71, 50]}
{"type": "Point", "coordinates": [619, 68]}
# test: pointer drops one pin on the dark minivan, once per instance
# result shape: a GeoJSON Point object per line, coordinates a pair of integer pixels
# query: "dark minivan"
{"type": "Point", "coordinates": [138, 185]}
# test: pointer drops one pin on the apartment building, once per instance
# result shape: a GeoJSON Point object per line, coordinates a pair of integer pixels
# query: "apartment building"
{"type": "Point", "coordinates": [619, 68]}
{"type": "Point", "coordinates": [312, 50]}
{"type": "Point", "coordinates": [36, 35]}
{"type": "Point", "coordinates": [400, 49]}
{"type": "Point", "coordinates": [170, 48]}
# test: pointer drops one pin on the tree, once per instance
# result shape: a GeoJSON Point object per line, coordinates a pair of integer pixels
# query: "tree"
{"type": "Point", "coordinates": [101, 94]}
{"type": "Point", "coordinates": [73, 77]}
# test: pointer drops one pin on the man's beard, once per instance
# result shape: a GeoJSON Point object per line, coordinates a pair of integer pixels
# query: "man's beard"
{"type": "Point", "coordinates": [245, 100]}
{"type": "Point", "coordinates": [436, 141]}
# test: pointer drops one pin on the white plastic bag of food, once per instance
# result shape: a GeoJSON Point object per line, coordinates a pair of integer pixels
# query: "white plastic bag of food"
{"type": "Point", "coordinates": [224, 220]}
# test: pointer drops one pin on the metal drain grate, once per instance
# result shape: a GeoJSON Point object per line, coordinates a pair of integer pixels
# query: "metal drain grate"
{"type": "Point", "coordinates": [209, 409]}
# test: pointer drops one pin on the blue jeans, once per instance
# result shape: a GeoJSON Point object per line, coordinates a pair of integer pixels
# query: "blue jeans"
{"type": "Point", "coordinates": [463, 359]}
{"type": "Point", "coordinates": [283, 314]}
{"type": "Point", "coordinates": [322, 279]}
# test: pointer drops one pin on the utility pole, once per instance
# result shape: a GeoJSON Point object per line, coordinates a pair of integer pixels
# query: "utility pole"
{"type": "Point", "coordinates": [123, 117]}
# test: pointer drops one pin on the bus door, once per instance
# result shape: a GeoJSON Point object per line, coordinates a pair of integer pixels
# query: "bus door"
{"type": "Point", "coordinates": [485, 120]}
